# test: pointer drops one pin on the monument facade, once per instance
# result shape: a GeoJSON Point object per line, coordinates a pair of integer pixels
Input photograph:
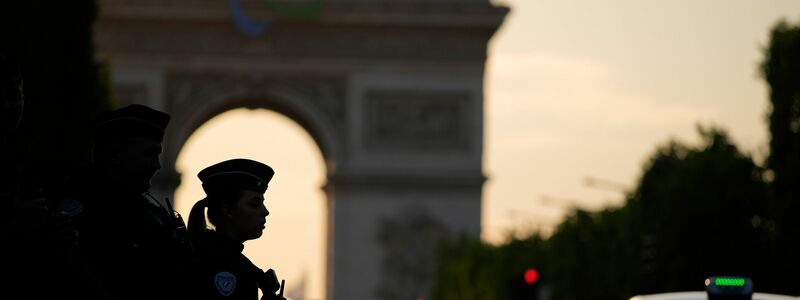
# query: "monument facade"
{"type": "Point", "coordinates": [390, 90]}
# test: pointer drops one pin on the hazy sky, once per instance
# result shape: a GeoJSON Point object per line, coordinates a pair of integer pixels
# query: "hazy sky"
{"type": "Point", "coordinates": [579, 89]}
{"type": "Point", "coordinates": [574, 89]}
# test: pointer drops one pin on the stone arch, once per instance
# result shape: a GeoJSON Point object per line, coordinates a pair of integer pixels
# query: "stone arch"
{"type": "Point", "coordinates": [392, 93]}
{"type": "Point", "coordinates": [293, 105]}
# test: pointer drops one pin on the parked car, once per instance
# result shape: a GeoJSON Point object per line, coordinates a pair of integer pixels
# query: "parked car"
{"type": "Point", "coordinates": [720, 287]}
{"type": "Point", "coordinates": [704, 296]}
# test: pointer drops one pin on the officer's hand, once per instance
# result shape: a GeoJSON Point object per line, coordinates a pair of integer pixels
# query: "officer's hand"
{"type": "Point", "coordinates": [272, 297]}
{"type": "Point", "coordinates": [271, 279]}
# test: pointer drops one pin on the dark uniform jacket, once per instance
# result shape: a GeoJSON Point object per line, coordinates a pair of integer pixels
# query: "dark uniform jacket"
{"type": "Point", "coordinates": [224, 272]}
{"type": "Point", "coordinates": [35, 245]}
{"type": "Point", "coordinates": [136, 246]}
{"type": "Point", "coordinates": [26, 254]}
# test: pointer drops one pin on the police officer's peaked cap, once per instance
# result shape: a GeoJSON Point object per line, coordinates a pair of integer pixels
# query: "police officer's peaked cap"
{"type": "Point", "coordinates": [132, 121]}
{"type": "Point", "coordinates": [236, 174]}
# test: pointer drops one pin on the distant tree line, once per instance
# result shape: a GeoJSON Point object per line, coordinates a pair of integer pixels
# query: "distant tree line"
{"type": "Point", "coordinates": [697, 211]}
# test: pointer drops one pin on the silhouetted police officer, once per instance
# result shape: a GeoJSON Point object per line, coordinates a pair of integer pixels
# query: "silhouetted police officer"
{"type": "Point", "coordinates": [235, 201]}
{"type": "Point", "coordinates": [36, 245]}
{"type": "Point", "coordinates": [136, 244]}
{"type": "Point", "coordinates": [23, 222]}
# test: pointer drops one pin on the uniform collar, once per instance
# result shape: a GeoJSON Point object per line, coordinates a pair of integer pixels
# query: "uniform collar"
{"type": "Point", "coordinates": [225, 243]}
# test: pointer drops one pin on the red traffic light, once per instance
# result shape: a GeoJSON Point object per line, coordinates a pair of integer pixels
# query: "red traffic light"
{"type": "Point", "coordinates": [531, 276]}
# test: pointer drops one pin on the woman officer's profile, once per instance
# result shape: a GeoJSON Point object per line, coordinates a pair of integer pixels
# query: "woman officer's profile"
{"type": "Point", "coordinates": [235, 201]}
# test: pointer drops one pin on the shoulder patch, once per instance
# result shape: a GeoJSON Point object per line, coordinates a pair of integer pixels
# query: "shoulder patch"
{"type": "Point", "coordinates": [225, 283]}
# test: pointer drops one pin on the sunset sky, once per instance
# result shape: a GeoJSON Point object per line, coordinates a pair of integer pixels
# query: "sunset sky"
{"type": "Point", "coordinates": [574, 90]}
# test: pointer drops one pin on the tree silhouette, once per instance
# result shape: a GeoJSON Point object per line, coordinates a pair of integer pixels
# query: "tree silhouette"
{"type": "Point", "coordinates": [702, 208]}
{"type": "Point", "coordinates": [698, 211]}
{"type": "Point", "coordinates": [781, 70]}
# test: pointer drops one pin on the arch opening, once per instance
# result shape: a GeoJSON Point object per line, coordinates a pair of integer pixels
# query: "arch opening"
{"type": "Point", "coordinates": [294, 240]}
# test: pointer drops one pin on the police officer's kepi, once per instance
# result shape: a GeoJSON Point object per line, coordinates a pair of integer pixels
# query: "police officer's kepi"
{"type": "Point", "coordinates": [236, 174]}
{"type": "Point", "coordinates": [132, 121]}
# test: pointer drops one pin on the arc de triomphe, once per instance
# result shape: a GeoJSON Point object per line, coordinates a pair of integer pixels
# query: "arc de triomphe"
{"type": "Point", "coordinates": [390, 90]}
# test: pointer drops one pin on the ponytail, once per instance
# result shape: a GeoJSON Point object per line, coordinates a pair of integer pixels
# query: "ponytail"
{"type": "Point", "coordinates": [214, 202]}
{"type": "Point", "coordinates": [197, 220]}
